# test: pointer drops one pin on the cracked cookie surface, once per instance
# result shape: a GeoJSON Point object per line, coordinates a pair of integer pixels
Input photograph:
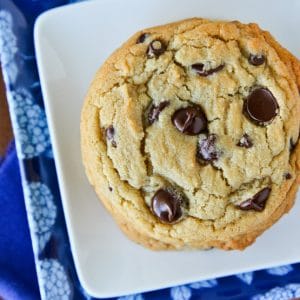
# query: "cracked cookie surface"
{"type": "Point", "coordinates": [189, 134]}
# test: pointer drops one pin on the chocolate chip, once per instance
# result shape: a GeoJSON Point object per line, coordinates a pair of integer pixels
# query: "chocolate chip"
{"type": "Point", "coordinates": [142, 38]}
{"type": "Point", "coordinates": [256, 60]}
{"type": "Point", "coordinates": [292, 145]}
{"type": "Point", "coordinates": [260, 106]}
{"type": "Point", "coordinates": [199, 69]}
{"type": "Point", "coordinates": [257, 202]}
{"type": "Point", "coordinates": [245, 141]}
{"type": "Point", "coordinates": [287, 176]}
{"type": "Point", "coordinates": [190, 120]}
{"type": "Point", "coordinates": [110, 134]}
{"type": "Point", "coordinates": [166, 206]}
{"type": "Point", "coordinates": [207, 150]}
{"type": "Point", "coordinates": [156, 110]}
{"type": "Point", "coordinates": [110, 188]}
{"type": "Point", "coordinates": [156, 48]}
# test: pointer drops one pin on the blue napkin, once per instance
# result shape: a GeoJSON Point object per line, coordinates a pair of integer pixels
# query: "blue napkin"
{"type": "Point", "coordinates": [17, 269]}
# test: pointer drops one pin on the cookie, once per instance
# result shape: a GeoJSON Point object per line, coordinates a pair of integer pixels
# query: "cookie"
{"type": "Point", "coordinates": [189, 134]}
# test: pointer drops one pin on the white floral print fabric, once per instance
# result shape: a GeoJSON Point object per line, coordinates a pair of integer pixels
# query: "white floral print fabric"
{"type": "Point", "coordinates": [31, 125]}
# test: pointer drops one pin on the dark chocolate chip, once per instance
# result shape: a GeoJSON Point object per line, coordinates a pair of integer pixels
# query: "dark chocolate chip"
{"type": "Point", "coordinates": [260, 106]}
{"type": "Point", "coordinates": [292, 145]}
{"type": "Point", "coordinates": [245, 141]}
{"type": "Point", "coordinates": [156, 110]}
{"type": "Point", "coordinates": [190, 120]}
{"type": "Point", "coordinates": [166, 206]}
{"type": "Point", "coordinates": [156, 48]}
{"type": "Point", "coordinates": [257, 202]}
{"type": "Point", "coordinates": [207, 150]}
{"type": "Point", "coordinates": [256, 60]}
{"type": "Point", "coordinates": [110, 188]}
{"type": "Point", "coordinates": [199, 69]}
{"type": "Point", "coordinates": [287, 176]}
{"type": "Point", "coordinates": [110, 134]}
{"type": "Point", "coordinates": [142, 38]}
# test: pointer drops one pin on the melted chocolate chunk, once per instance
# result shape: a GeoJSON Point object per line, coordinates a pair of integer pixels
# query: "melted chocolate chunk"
{"type": "Point", "coordinates": [260, 106]}
{"type": "Point", "coordinates": [190, 120]}
{"type": "Point", "coordinates": [245, 141]}
{"type": "Point", "coordinates": [207, 150]}
{"type": "Point", "coordinates": [142, 38]}
{"type": "Point", "coordinates": [110, 134]}
{"type": "Point", "coordinates": [287, 176]}
{"type": "Point", "coordinates": [156, 110]}
{"type": "Point", "coordinates": [166, 206]}
{"type": "Point", "coordinates": [257, 202]}
{"type": "Point", "coordinates": [156, 48]}
{"type": "Point", "coordinates": [199, 69]}
{"type": "Point", "coordinates": [256, 60]}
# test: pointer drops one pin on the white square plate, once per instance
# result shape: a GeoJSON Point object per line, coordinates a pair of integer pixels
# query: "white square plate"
{"type": "Point", "coordinates": [71, 43]}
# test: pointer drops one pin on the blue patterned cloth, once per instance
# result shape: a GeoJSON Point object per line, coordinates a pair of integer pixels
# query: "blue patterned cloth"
{"type": "Point", "coordinates": [17, 275]}
{"type": "Point", "coordinates": [51, 249]}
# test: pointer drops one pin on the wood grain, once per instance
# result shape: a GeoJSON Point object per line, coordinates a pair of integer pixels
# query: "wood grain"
{"type": "Point", "coordinates": [5, 126]}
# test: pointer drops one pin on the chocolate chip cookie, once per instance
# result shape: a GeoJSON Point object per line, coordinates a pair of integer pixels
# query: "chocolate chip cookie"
{"type": "Point", "coordinates": [189, 134]}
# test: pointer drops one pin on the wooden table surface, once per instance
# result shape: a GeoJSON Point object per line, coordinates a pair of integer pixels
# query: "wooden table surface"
{"type": "Point", "coordinates": [5, 126]}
